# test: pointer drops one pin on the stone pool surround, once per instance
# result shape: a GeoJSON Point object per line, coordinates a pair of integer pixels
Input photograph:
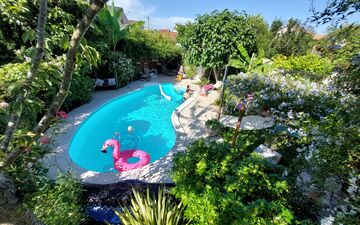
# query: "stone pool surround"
{"type": "Point", "coordinates": [156, 172]}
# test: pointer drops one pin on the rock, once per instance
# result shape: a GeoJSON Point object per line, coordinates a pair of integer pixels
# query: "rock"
{"type": "Point", "coordinates": [269, 154]}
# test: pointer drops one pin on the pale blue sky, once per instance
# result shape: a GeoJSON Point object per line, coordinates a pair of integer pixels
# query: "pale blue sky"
{"type": "Point", "coordinates": [165, 13]}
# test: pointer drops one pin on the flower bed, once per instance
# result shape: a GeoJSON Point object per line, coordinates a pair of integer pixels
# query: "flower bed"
{"type": "Point", "coordinates": [316, 131]}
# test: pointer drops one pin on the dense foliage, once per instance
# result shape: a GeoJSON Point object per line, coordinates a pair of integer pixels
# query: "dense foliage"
{"type": "Point", "coordinates": [18, 23]}
{"type": "Point", "coordinates": [44, 88]}
{"type": "Point", "coordinates": [311, 65]}
{"type": "Point", "coordinates": [223, 185]}
{"type": "Point", "coordinates": [293, 39]}
{"type": "Point", "coordinates": [56, 203]}
{"type": "Point", "coordinates": [143, 44]}
{"type": "Point", "coordinates": [342, 46]}
{"type": "Point", "coordinates": [320, 126]}
{"type": "Point", "coordinates": [263, 35]}
{"type": "Point", "coordinates": [118, 65]}
{"type": "Point", "coordinates": [111, 28]}
{"type": "Point", "coordinates": [213, 38]}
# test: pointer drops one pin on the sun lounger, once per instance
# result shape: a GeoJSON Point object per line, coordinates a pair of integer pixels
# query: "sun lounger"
{"type": "Point", "coordinates": [105, 83]}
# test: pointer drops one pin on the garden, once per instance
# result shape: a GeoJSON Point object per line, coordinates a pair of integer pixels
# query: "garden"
{"type": "Point", "coordinates": [54, 51]}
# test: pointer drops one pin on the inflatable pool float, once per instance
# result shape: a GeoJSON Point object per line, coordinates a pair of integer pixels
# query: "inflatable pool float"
{"type": "Point", "coordinates": [121, 159]}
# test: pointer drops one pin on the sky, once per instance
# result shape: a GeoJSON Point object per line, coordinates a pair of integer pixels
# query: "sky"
{"type": "Point", "coordinates": [166, 13]}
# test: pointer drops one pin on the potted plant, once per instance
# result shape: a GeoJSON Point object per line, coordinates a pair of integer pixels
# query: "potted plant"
{"type": "Point", "coordinates": [212, 127]}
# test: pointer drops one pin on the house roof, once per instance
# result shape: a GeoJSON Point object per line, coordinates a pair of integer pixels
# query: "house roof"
{"type": "Point", "coordinates": [170, 34]}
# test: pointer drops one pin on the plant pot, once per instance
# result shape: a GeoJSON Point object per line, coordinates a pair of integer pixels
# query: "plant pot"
{"type": "Point", "coordinates": [212, 131]}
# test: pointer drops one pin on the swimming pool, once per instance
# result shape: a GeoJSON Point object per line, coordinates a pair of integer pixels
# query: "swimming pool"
{"type": "Point", "coordinates": [146, 110]}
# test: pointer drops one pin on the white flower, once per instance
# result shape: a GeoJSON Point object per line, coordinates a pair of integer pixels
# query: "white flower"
{"type": "Point", "coordinates": [4, 105]}
{"type": "Point", "coordinates": [290, 115]}
{"type": "Point", "coordinates": [327, 220]}
{"type": "Point", "coordinates": [275, 96]}
{"type": "Point", "coordinates": [265, 97]}
{"type": "Point", "coordinates": [283, 105]}
{"type": "Point", "coordinates": [299, 101]}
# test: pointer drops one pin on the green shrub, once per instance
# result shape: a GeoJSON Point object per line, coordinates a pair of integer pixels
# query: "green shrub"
{"type": "Point", "coordinates": [143, 44]}
{"type": "Point", "coordinates": [213, 124]}
{"type": "Point", "coordinates": [120, 66]}
{"type": "Point", "coordinates": [311, 65]}
{"type": "Point", "coordinates": [348, 78]}
{"type": "Point", "coordinates": [44, 88]}
{"type": "Point", "coordinates": [59, 203]}
{"type": "Point", "coordinates": [190, 71]}
{"type": "Point", "coordinates": [223, 185]}
{"type": "Point", "coordinates": [80, 90]}
{"type": "Point", "coordinates": [146, 209]}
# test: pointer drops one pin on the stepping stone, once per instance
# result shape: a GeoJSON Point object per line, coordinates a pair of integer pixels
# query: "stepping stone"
{"type": "Point", "coordinates": [248, 122]}
{"type": "Point", "coordinates": [269, 154]}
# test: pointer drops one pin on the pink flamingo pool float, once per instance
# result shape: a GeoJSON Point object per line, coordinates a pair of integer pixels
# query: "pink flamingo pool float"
{"type": "Point", "coordinates": [121, 158]}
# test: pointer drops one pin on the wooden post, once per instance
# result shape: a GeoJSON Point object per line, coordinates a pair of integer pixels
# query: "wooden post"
{"type": "Point", "coordinates": [238, 124]}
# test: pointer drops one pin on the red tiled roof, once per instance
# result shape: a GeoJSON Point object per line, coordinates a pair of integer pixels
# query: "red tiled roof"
{"type": "Point", "coordinates": [167, 33]}
{"type": "Point", "coordinates": [319, 36]}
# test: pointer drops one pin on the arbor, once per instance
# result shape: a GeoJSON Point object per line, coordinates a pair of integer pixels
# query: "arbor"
{"type": "Point", "coordinates": [213, 38]}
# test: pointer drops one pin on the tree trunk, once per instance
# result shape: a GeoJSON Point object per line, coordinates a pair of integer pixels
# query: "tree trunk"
{"type": "Point", "coordinates": [222, 93]}
{"type": "Point", "coordinates": [215, 74]}
{"type": "Point", "coordinates": [34, 68]}
{"type": "Point", "coordinates": [238, 124]}
{"type": "Point", "coordinates": [91, 12]}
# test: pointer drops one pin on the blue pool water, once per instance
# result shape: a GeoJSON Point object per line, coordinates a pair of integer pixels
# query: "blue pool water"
{"type": "Point", "coordinates": [146, 110]}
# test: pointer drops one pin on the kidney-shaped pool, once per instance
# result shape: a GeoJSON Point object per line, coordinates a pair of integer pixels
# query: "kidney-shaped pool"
{"type": "Point", "coordinates": [146, 110]}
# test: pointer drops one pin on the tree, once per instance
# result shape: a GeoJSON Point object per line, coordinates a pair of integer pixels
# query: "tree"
{"type": "Point", "coordinates": [336, 10]}
{"type": "Point", "coordinates": [262, 34]}
{"type": "Point", "coordinates": [112, 29]}
{"type": "Point", "coordinates": [35, 63]}
{"type": "Point", "coordinates": [213, 38]}
{"type": "Point", "coordinates": [294, 39]}
{"type": "Point", "coordinates": [89, 15]}
{"type": "Point", "coordinates": [276, 26]}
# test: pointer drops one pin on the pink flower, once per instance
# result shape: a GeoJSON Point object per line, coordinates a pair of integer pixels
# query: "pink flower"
{"type": "Point", "coordinates": [44, 140]}
{"type": "Point", "coordinates": [61, 115]}
{"type": "Point", "coordinates": [4, 105]}
{"type": "Point", "coordinates": [250, 97]}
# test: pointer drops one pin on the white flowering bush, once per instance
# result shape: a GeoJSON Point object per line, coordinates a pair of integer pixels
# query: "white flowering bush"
{"type": "Point", "coordinates": [121, 67]}
{"type": "Point", "coordinates": [317, 131]}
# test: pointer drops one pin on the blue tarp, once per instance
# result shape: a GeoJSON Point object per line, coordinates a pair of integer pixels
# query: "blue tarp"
{"type": "Point", "coordinates": [103, 213]}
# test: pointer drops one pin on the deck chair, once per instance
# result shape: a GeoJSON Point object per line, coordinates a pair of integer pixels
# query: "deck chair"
{"type": "Point", "coordinates": [145, 75]}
